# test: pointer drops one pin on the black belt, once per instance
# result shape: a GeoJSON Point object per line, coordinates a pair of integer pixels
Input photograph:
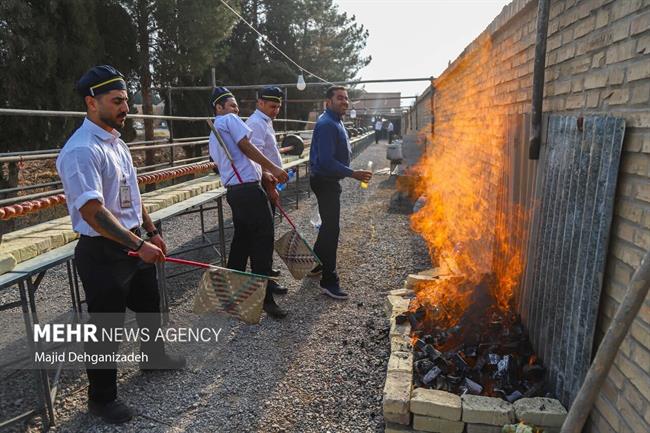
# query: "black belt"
{"type": "Point", "coordinates": [326, 178]}
{"type": "Point", "coordinates": [244, 185]}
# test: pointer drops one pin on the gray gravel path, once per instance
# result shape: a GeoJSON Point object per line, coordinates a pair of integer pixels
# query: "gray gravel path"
{"type": "Point", "coordinates": [321, 369]}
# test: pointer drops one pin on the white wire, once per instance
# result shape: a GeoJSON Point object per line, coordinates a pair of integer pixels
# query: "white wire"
{"type": "Point", "coordinates": [265, 40]}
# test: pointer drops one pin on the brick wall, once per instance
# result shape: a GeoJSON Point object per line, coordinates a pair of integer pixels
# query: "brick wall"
{"type": "Point", "coordinates": [598, 62]}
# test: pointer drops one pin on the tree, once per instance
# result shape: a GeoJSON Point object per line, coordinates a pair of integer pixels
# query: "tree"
{"type": "Point", "coordinates": [312, 32]}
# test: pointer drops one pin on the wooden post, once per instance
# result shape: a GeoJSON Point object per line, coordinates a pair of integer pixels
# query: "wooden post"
{"type": "Point", "coordinates": [538, 80]}
{"type": "Point", "coordinates": [637, 290]}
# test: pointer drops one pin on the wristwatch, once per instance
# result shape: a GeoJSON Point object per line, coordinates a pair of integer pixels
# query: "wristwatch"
{"type": "Point", "coordinates": [152, 233]}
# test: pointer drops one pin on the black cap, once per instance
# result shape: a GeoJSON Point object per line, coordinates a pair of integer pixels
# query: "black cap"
{"type": "Point", "coordinates": [220, 93]}
{"type": "Point", "coordinates": [271, 93]}
{"type": "Point", "coordinates": [100, 79]}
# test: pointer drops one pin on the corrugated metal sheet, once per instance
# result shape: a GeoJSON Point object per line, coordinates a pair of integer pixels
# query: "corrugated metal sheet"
{"type": "Point", "coordinates": [572, 200]}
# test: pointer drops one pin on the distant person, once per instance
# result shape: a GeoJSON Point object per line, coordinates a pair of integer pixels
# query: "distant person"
{"type": "Point", "coordinates": [329, 161]}
{"type": "Point", "coordinates": [378, 127]}
{"type": "Point", "coordinates": [101, 190]}
{"type": "Point", "coordinates": [260, 122]}
{"type": "Point", "coordinates": [248, 200]}
{"type": "Point", "coordinates": [390, 130]}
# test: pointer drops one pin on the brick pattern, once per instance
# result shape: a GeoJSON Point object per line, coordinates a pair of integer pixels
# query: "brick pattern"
{"type": "Point", "coordinates": [597, 62]}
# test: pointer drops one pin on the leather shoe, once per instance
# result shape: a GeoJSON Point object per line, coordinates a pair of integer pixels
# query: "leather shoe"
{"type": "Point", "coordinates": [165, 362]}
{"type": "Point", "coordinates": [274, 273]}
{"type": "Point", "coordinates": [114, 412]}
{"type": "Point", "coordinates": [273, 310]}
{"type": "Point", "coordinates": [277, 289]}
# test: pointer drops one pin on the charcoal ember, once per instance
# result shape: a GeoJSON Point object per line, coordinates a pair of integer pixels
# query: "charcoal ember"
{"type": "Point", "coordinates": [428, 339]}
{"type": "Point", "coordinates": [480, 363]}
{"type": "Point", "coordinates": [494, 359]}
{"type": "Point", "coordinates": [442, 364]}
{"type": "Point", "coordinates": [459, 362]}
{"type": "Point", "coordinates": [513, 397]}
{"type": "Point", "coordinates": [401, 319]}
{"type": "Point", "coordinates": [431, 375]}
{"type": "Point", "coordinates": [470, 351]}
{"type": "Point", "coordinates": [419, 344]}
{"type": "Point", "coordinates": [441, 383]}
{"type": "Point", "coordinates": [423, 366]}
{"type": "Point", "coordinates": [431, 352]}
{"type": "Point", "coordinates": [454, 330]}
{"type": "Point", "coordinates": [454, 379]}
{"type": "Point", "coordinates": [473, 387]}
{"type": "Point", "coordinates": [417, 356]}
{"type": "Point", "coordinates": [462, 390]}
{"type": "Point", "coordinates": [537, 390]}
{"type": "Point", "coordinates": [534, 372]}
{"type": "Point", "coordinates": [498, 392]}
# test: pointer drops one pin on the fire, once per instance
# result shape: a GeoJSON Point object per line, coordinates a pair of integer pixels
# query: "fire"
{"type": "Point", "coordinates": [462, 176]}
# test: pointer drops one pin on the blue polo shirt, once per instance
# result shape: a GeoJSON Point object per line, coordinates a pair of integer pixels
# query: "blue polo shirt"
{"type": "Point", "coordinates": [330, 151]}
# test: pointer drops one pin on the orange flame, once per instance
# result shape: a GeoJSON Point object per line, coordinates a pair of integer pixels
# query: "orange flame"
{"type": "Point", "coordinates": [466, 216]}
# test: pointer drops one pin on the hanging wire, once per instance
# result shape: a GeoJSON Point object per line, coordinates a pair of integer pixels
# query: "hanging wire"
{"type": "Point", "coordinates": [265, 39]}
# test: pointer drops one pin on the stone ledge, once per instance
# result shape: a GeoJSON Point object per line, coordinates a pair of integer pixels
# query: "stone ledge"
{"type": "Point", "coordinates": [437, 425]}
{"type": "Point", "coordinates": [397, 393]}
{"type": "Point", "coordinates": [540, 411]}
{"type": "Point", "coordinates": [487, 410]}
{"type": "Point", "coordinates": [401, 361]}
{"type": "Point", "coordinates": [439, 404]}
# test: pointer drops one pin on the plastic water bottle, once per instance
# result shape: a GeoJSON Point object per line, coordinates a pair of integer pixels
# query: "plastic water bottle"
{"type": "Point", "coordinates": [315, 218]}
{"type": "Point", "coordinates": [364, 185]}
{"type": "Point", "coordinates": [282, 186]}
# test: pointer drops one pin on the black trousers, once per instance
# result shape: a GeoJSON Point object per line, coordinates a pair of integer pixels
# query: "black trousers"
{"type": "Point", "coordinates": [328, 195]}
{"type": "Point", "coordinates": [253, 221]}
{"type": "Point", "coordinates": [377, 135]}
{"type": "Point", "coordinates": [113, 281]}
{"type": "Point", "coordinates": [390, 137]}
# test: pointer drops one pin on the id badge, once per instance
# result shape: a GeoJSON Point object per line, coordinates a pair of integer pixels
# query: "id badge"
{"type": "Point", "coordinates": [125, 196]}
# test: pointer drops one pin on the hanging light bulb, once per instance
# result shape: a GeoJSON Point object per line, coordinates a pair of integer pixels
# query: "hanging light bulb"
{"type": "Point", "coordinates": [392, 111]}
{"type": "Point", "coordinates": [301, 85]}
{"type": "Point", "coordinates": [353, 113]}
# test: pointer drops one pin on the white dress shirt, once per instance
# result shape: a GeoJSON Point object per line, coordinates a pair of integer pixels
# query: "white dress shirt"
{"type": "Point", "coordinates": [232, 130]}
{"type": "Point", "coordinates": [378, 125]}
{"type": "Point", "coordinates": [390, 127]}
{"type": "Point", "coordinates": [264, 136]}
{"type": "Point", "coordinates": [93, 165]}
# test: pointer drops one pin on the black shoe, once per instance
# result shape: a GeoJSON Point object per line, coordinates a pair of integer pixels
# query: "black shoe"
{"type": "Point", "coordinates": [165, 362]}
{"type": "Point", "coordinates": [273, 310]}
{"type": "Point", "coordinates": [277, 289]}
{"type": "Point", "coordinates": [316, 271]}
{"type": "Point", "coordinates": [274, 273]}
{"type": "Point", "coordinates": [334, 291]}
{"type": "Point", "coordinates": [114, 412]}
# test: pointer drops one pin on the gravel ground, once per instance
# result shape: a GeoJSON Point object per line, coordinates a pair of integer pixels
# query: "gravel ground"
{"type": "Point", "coordinates": [321, 369]}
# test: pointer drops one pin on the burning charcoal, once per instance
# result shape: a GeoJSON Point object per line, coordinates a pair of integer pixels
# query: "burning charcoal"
{"type": "Point", "coordinates": [441, 382]}
{"type": "Point", "coordinates": [419, 344]}
{"type": "Point", "coordinates": [454, 379]}
{"type": "Point", "coordinates": [498, 392]}
{"type": "Point", "coordinates": [423, 366]}
{"type": "Point", "coordinates": [442, 363]}
{"type": "Point", "coordinates": [473, 387]}
{"type": "Point", "coordinates": [432, 352]}
{"type": "Point", "coordinates": [454, 330]}
{"type": "Point", "coordinates": [480, 363]}
{"type": "Point", "coordinates": [460, 362]}
{"type": "Point", "coordinates": [428, 339]}
{"type": "Point", "coordinates": [470, 351]}
{"type": "Point", "coordinates": [503, 366]}
{"type": "Point", "coordinates": [431, 375]}
{"type": "Point", "coordinates": [493, 358]}
{"type": "Point", "coordinates": [534, 372]}
{"type": "Point", "coordinates": [514, 396]}
{"type": "Point", "coordinates": [535, 391]}
{"type": "Point", "coordinates": [401, 319]}
{"type": "Point", "coordinates": [462, 390]}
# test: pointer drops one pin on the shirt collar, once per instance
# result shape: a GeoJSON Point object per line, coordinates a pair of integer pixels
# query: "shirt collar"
{"type": "Point", "coordinates": [266, 118]}
{"type": "Point", "coordinates": [333, 114]}
{"type": "Point", "coordinates": [100, 132]}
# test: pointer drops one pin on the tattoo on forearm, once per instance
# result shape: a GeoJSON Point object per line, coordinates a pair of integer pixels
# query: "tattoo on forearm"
{"type": "Point", "coordinates": [107, 222]}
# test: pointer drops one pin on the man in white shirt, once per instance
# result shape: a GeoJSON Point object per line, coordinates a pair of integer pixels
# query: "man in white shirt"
{"type": "Point", "coordinates": [269, 103]}
{"type": "Point", "coordinates": [105, 206]}
{"type": "Point", "coordinates": [378, 127]}
{"type": "Point", "coordinates": [246, 195]}
{"type": "Point", "coordinates": [390, 130]}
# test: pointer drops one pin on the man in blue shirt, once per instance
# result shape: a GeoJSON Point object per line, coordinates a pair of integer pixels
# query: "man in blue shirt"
{"type": "Point", "coordinates": [329, 160]}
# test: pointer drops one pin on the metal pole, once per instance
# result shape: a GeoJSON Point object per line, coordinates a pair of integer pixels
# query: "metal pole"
{"type": "Point", "coordinates": [636, 292]}
{"type": "Point", "coordinates": [214, 78]}
{"type": "Point", "coordinates": [286, 100]}
{"type": "Point", "coordinates": [538, 80]}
